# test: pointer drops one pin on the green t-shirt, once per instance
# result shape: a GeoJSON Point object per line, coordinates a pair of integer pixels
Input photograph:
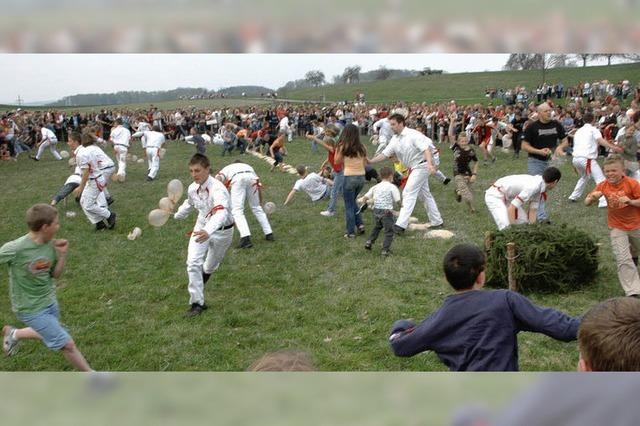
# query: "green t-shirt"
{"type": "Point", "coordinates": [30, 267]}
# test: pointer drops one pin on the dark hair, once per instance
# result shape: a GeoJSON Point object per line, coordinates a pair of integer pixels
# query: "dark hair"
{"type": "Point", "coordinates": [118, 120]}
{"type": "Point", "coordinates": [551, 174]}
{"type": "Point", "coordinates": [200, 159]}
{"type": "Point", "coordinates": [39, 215]}
{"type": "Point", "coordinates": [156, 128]}
{"type": "Point", "coordinates": [75, 135]}
{"type": "Point", "coordinates": [350, 144]}
{"type": "Point", "coordinates": [398, 118]}
{"type": "Point", "coordinates": [462, 265]}
{"type": "Point", "coordinates": [588, 117]}
{"type": "Point", "coordinates": [87, 139]}
{"type": "Point", "coordinates": [386, 172]}
{"type": "Point", "coordinates": [609, 335]}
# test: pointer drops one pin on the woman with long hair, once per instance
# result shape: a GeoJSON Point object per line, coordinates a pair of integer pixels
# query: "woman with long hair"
{"type": "Point", "coordinates": [352, 154]}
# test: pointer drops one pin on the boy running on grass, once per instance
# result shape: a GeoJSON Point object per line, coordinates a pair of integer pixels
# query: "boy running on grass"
{"type": "Point", "coordinates": [476, 329]}
{"type": "Point", "coordinates": [623, 209]}
{"type": "Point", "coordinates": [34, 261]}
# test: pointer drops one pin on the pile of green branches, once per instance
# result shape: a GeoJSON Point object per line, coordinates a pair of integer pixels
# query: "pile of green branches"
{"type": "Point", "coordinates": [549, 258]}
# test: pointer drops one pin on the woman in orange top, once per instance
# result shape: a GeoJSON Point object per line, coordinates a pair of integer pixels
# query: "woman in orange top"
{"type": "Point", "coordinates": [352, 154]}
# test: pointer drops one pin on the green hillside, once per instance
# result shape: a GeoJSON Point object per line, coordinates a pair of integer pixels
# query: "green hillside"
{"type": "Point", "coordinates": [465, 87]}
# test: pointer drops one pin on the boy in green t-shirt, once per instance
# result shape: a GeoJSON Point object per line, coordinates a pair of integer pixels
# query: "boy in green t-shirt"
{"type": "Point", "coordinates": [34, 260]}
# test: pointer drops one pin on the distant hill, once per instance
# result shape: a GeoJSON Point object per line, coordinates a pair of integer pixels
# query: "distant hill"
{"type": "Point", "coordinates": [138, 97]}
{"type": "Point", "coordinates": [465, 87]}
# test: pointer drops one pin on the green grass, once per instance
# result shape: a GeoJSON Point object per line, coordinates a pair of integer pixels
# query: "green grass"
{"type": "Point", "coordinates": [466, 88]}
{"type": "Point", "coordinates": [310, 290]}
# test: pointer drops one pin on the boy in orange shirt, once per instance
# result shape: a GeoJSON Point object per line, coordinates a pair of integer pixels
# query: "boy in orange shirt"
{"type": "Point", "coordinates": [623, 208]}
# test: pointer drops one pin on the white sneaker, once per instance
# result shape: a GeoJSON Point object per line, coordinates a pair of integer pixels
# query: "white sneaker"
{"type": "Point", "coordinates": [9, 341]}
{"type": "Point", "coordinates": [327, 213]}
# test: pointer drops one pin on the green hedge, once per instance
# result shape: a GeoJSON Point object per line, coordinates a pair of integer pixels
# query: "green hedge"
{"type": "Point", "coordinates": [549, 258]}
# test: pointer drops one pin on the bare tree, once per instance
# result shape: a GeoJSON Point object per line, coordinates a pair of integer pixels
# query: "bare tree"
{"type": "Point", "coordinates": [585, 57]}
{"type": "Point", "coordinates": [315, 78]}
{"type": "Point", "coordinates": [525, 61]}
{"type": "Point", "coordinates": [351, 74]}
{"type": "Point", "coordinates": [383, 73]}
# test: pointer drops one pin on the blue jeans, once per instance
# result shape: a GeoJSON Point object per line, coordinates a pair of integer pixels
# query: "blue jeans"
{"type": "Point", "coordinates": [338, 184]}
{"type": "Point", "coordinates": [537, 167]}
{"type": "Point", "coordinates": [352, 187]}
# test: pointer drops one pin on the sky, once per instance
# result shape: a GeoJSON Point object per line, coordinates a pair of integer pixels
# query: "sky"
{"type": "Point", "coordinates": [49, 77]}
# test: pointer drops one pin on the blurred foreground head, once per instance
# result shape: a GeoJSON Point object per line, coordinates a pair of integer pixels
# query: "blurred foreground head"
{"type": "Point", "coordinates": [609, 336]}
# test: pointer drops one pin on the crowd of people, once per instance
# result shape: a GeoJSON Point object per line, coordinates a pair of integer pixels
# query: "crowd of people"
{"type": "Point", "coordinates": [409, 135]}
{"type": "Point", "coordinates": [590, 91]}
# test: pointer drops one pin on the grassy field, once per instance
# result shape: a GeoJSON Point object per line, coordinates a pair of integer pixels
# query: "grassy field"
{"type": "Point", "coordinates": [310, 290]}
{"type": "Point", "coordinates": [464, 87]}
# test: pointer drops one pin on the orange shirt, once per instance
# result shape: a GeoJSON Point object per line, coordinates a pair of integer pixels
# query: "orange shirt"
{"type": "Point", "coordinates": [621, 216]}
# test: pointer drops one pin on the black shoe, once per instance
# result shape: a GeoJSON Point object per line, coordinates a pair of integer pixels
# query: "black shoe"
{"type": "Point", "coordinates": [571, 200]}
{"type": "Point", "coordinates": [385, 253]}
{"type": "Point", "coordinates": [195, 310]}
{"type": "Point", "coordinates": [245, 242]}
{"type": "Point", "coordinates": [637, 296]}
{"type": "Point", "coordinates": [436, 226]}
{"type": "Point", "coordinates": [149, 179]}
{"type": "Point", "coordinates": [109, 201]}
{"type": "Point", "coordinates": [367, 245]}
{"type": "Point", "coordinates": [205, 277]}
{"type": "Point", "coordinates": [360, 229]}
{"type": "Point", "coordinates": [111, 220]}
{"type": "Point", "coordinates": [446, 181]}
{"type": "Point", "coordinates": [269, 237]}
{"type": "Point", "coordinates": [101, 225]}
{"type": "Point", "coordinates": [546, 222]}
{"type": "Point", "coordinates": [34, 158]}
{"type": "Point", "coordinates": [398, 230]}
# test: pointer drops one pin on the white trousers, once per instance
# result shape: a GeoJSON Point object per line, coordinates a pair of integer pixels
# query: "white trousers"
{"type": "Point", "coordinates": [106, 174]}
{"type": "Point", "coordinates": [205, 257]}
{"type": "Point", "coordinates": [52, 147]}
{"type": "Point", "coordinates": [94, 202]}
{"type": "Point", "coordinates": [121, 157]}
{"type": "Point", "coordinates": [417, 188]}
{"type": "Point", "coordinates": [243, 189]}
{"type": "Point", "coordinates": [627, 270]}
{"type": "Point", "coordinates": [580, 163]}
{"type": "Point", "coordinates": [436, 162]}
{"type": "Point", "coordinates": [497, 206]}
{"type": "Point", "coordinates": [153, 159]}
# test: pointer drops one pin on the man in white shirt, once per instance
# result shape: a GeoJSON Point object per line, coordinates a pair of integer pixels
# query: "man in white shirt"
{"type": "Point", "coordinates": [507, 197]}
{"type": "Point", "coordinates": [412, 150]}
{"type": "Point", "coordinates": [244, 184]}
{"type": "Point", "coordinates": [121, 137]}
{"type": "Point", "coordinates": [313, 184]}
{"type": "Point", "coordinates": [48, 139]}
{"type": "Point", "coordinates": [585, 156]}
{"type": "Point", "coordinates": [93, 200]}
{"type": "Point", "coordinates": [154, 141]}
{"type": "Point", "coordinates": [212, 233]}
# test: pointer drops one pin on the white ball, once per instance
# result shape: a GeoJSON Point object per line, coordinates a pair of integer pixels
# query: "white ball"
{"type": "Point", "coordinates": [269, 207]}
{"type": "Point", "coordinates": [140, 161]}
{"type": "Point", "coordinates": [64, 154]}
{"type": "Point", "coordinates": [72, 161]}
